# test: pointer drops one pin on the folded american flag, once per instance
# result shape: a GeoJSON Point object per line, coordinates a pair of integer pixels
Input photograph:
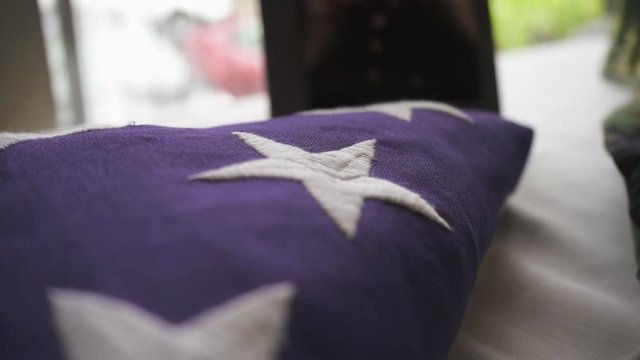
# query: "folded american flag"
{"type": "Point", "coordinates": [353, 233]}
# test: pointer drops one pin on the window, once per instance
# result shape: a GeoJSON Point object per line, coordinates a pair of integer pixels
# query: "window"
{"type": "Point", "coordinates": [195, 62]}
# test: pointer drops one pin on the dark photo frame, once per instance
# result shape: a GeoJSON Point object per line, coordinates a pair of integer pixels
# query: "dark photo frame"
{"type": "Point", "coordinates": [328, 53]}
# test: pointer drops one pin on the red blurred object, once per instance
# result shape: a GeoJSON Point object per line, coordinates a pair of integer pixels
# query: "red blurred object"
{"type": "Point", "coordinates": [226, 61]}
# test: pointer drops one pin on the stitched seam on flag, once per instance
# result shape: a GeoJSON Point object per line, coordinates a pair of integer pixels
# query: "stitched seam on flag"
{"type": "Point", "coordinates": [8, 139]}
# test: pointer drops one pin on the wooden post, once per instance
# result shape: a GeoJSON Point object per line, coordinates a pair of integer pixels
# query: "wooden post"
{"type": "Point", "coordinates": [26, 101]}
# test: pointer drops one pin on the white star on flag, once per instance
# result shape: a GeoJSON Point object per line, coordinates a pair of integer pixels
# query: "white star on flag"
{"type": "Point", "coordinates": [339, 180]}
{"type": "Point", "coordinates": [98, 327]}
{"type": "Point", "coordinates": [399, 109]}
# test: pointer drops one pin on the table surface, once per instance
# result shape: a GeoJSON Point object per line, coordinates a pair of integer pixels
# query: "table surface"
{"type": "Point", "coordinates": [558, 282]}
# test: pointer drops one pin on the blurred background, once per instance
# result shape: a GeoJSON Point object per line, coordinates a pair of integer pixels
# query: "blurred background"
{"type": "Point", "coordinates": [156, 61]}
{"type": "Point", "coordinates": [526, 22]}
{"type": "Point", "coordinates": [182, 62]}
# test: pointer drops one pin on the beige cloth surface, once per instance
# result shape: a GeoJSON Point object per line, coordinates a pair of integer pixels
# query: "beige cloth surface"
{"type": "Point", "coordinates": [558, 282]}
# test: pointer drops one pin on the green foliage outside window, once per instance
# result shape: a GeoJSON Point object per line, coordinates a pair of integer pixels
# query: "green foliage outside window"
{"type": "Point", "coordinates": [623, 64]}
{"type": "Point", "coordinates": [524, 22]}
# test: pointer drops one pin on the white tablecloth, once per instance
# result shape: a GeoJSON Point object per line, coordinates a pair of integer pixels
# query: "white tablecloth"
{"type": "Point", "coordinates": [558, 282]}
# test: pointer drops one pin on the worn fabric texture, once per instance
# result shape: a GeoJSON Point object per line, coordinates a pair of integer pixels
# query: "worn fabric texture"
{"type": "Point", "coordinates": [118, 217]}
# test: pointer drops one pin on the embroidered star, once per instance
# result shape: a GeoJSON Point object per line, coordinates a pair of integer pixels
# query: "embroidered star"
{"type": "Point", "coordinates": [98, 327]}
{"type": "Point", "coordinates": [339, 180]}
{"type": "Point", "coordinates": [402, 110]}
